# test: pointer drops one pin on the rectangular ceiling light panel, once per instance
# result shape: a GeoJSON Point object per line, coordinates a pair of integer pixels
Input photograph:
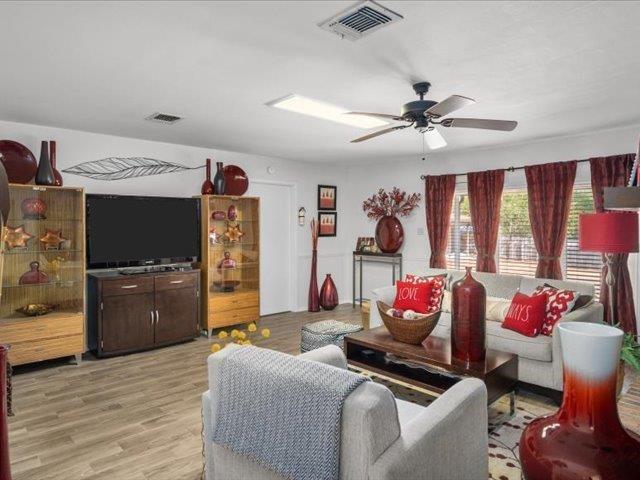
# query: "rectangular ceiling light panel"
{"type": "Point", "coordinates": [314, 108]}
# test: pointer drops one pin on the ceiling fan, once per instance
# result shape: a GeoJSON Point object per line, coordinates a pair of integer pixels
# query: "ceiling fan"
{"type": "Point", "coordinates": [424, 115]}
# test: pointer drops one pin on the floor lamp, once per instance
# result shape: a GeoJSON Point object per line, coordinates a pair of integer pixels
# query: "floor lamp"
{"type": "Point", "coordinates": [609, 233]}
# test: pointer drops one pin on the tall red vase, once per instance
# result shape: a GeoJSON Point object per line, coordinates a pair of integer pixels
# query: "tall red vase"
{"type": "Point", "coordinates": [468, 309]}
{"type": "Point", "coordinates": [328, 294]}
{"type": "Point", "coordinates": [585, 438]}
{"type": "Point", "coordinates": [54, 158]}
{"type": "Point", "coordinates": [389, 234]}
{"type": "Point", "coordinates": [314, 298]}
{"type": "Point", "coordinates": [5, 463]}
{"type": "Point", "coordinates": [207, 185]}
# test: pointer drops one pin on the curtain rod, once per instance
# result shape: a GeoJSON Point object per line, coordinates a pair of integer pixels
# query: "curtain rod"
{"type": "Point", "coordinates": [508, 169]}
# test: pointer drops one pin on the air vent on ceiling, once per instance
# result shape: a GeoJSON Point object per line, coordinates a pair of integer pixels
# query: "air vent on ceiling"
{"type": "Point", "coordinates": [164, 118]}
{"type": "Point", "coordinates": [359, 20]}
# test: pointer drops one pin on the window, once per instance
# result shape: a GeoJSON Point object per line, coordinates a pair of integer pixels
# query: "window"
{"type": "Point", "coordinates": [517, 253]}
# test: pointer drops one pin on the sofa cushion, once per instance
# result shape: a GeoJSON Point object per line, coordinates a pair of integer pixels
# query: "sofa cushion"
{"type": "Point", "coordinates": [529, 284]}
{"type": "Point", "coordinates": [559, 303]}
{"type": "Point", "coordinates": [503, 286]}
{"type": "Point", "coordinates": [535, 348]}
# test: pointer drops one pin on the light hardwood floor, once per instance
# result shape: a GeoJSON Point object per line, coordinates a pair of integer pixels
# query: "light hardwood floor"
{"type": "Point", "coordinates": [137, 417]}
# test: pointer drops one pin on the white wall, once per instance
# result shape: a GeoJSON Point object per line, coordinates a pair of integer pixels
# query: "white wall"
{"type": "Point", "coordinates": [76, 147]}
{"type": "Point", "coordinates": [405, 174]}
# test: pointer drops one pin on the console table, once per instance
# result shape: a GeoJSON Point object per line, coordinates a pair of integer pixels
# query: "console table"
{"type": "Point", "coordinates": [393, 259]}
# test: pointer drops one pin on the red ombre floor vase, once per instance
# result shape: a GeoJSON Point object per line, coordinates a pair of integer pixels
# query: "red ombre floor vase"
{"type": "Point", "coordinates": [584, 439]}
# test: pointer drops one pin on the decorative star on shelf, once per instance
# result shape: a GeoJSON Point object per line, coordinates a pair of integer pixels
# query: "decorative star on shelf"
{"type": "Point", "coordinates": [16, 237]}
{"type": "Point", "coordinates": [233, 233]}
{"type": "Point", "coordinates": [52, 239]}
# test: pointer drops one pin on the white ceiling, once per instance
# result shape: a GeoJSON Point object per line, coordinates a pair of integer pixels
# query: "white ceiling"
{"type": "Point", "coordinates": [557, 67]}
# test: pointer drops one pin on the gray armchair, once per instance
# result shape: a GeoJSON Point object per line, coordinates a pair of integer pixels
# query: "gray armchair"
{"type": "Point", "coordinates": [382, 438]}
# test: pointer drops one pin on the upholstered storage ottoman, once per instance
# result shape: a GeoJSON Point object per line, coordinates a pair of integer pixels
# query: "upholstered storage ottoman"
{"type": "Point", "coordinates": [325, 332]}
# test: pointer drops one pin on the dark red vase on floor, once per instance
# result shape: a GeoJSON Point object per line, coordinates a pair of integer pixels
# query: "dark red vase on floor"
{"type": "Point", "coordinates": [207, 185]}
{"type": "Point", "coordinates": [468, 309]}
{"type": "Point", "coordinates": [314, 298]}
{"type": "Point", "coordinates": [389, 234]}
{"type": "Point", "coordinates": [5, 463]}
{"type": "Point", "coordinates": [584, 439]}
{"type": "Point", "coordinates": [328, 294]}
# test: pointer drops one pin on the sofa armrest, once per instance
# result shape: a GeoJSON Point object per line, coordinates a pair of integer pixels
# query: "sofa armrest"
{"type": "Point", "coordinates": [330, 354]}
{"type": "Point", "coordinates": [384, 294]}
{"type": "Point", "coordinates": [594, 313]}
{"type": "Point", "coordinates": [430, 445]}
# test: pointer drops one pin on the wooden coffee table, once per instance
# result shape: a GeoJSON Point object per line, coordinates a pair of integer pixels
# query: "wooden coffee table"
{"type": "Point", "coordinates": [430, 366]}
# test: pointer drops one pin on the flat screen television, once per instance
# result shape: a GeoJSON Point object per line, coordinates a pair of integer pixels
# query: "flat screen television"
{"type": "Point", "coordinates": [130, 231]}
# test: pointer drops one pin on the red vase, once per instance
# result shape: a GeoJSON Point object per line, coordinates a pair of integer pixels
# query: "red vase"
{"type": "Point", "coordinates": [389, 234]}
{"type": "Point", "coordinates": [207, 186]}
{"type": "Point", "coordinates": [585, 438]}
{"type": "Point", "coordinates": [33, 208]}
{"type": "Point", "coordinates": [468, 309]}
{"type": "Point", "coordinates": [314, 299]}
{"type": "Point", "coordinates": [53, 155]}
{"type": "Point", "coordinates": [328, 294]}
{"type": "Point", "coordinates": [5, 463]}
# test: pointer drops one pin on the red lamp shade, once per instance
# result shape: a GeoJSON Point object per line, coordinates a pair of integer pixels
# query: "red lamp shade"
{"type": "Point", "coordinates": [609, 232]}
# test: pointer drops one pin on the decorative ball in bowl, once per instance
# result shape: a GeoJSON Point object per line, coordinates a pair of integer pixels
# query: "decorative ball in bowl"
{"type": "Point", "coordinates": [411, 330]}
{"type": "Point", "coordinates": [36, 309]}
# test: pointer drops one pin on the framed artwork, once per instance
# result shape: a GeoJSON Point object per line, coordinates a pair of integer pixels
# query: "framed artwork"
{"type": "Point", "coordinates": [327, 197]}
{"type": "Point", "coordinates": [366, 244]}
{"type": "Point", "coordinates": [328, 222]}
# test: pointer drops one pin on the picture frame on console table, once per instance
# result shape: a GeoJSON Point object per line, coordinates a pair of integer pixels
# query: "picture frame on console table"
{"type": "Point", "coordinates": [327, 198]}
{"type": "Point", "coordinates": [328, 222]}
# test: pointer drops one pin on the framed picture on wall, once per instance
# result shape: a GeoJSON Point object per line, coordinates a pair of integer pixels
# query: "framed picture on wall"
{"type": "Point", "coordinates": [328, 222]}
{"type": "Point", "coordinates": [327, 197]}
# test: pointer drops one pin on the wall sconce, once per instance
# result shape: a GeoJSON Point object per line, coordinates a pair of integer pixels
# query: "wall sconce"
{"type": "Point", "coordinates": [301, 215]}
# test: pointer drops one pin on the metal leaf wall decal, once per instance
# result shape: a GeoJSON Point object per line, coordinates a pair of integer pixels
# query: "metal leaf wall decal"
{"type": "Point", "coordinates": [118, 168]}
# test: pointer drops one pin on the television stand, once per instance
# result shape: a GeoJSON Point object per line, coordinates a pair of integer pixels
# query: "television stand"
{"type": "Point", "coordinates": [142, 310]}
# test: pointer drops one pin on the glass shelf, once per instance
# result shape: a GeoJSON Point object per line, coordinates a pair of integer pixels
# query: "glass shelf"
{"type": "Point", "coordinates": [17, 251]}
{"type": "Point", "coordinates": [57, 284]}
{"type": "Point", "coordinates": [11, 221]}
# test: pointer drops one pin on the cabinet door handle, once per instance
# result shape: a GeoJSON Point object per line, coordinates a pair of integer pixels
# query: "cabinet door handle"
{"type": "Point", "coordinates": [129, 286]}
{"type": "Point", "coordinates": [157, 317]}
{"type": "Point", "coordinates": [151, 312]}
{"type": "Point", "coordinates": [176, 281]}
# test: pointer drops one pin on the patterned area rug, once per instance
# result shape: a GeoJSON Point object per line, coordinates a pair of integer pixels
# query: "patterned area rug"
{"type": "Point", "coordinates": [503, 440]}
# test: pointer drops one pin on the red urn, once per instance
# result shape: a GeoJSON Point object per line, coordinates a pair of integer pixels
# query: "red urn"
{"type": "Point", "coordinates": [328, 294]}
{"type": "Point", "coordinates": [389, 234]}
{"type": "Point", "coordinates": [5, 465]}
{"type": "Point", "coordinates": [584, 438]}
{"type": "Point", "coordinates": [468, 309]}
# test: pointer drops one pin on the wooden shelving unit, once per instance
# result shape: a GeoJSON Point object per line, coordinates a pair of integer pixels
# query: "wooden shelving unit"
{"type": "Point", "coordinates": [61, 332]}
{"type": "Point", "coordinates": [230, 295]}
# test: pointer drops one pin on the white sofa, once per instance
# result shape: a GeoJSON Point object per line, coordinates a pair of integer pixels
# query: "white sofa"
{"type": "Point", "coordinates": [539, 358]}
{"type": "Point", "coordinates": [382, 438]}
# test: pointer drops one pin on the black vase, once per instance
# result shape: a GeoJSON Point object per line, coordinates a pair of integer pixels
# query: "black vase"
{"type": "Point", "coordinates": [219, 183]}
{"type": "Point", "coordinates": [45, 175]}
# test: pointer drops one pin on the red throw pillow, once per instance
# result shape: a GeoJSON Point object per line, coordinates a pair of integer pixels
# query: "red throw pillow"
{"type": "Point", "coordinates": [526, 314]}
{"type": "Point", "coordinates": [412, 296]}
{"type": "Point", "coordinates": [437, 288]}
{"type": "Point", "coordinates": [559, 303]}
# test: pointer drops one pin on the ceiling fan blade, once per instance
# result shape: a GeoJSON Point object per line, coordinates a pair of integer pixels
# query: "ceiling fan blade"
{"type": "Point", "coordinates": [503, 125]}
{"type": "Point", "coordinates": [434, 139]}
{"type": "Point", "coordinates": [379, 132]}
{"type": "Point", "coordinates": [385, 116]}
{"type": "Point", "coordinates": [448, 105]}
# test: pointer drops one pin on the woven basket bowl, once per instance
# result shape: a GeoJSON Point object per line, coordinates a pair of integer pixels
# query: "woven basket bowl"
{"type": "Point", "coordinates": [408, 331]}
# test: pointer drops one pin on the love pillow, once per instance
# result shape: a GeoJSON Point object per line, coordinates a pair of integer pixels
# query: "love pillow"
{"type": "Point", "coordinates": [412, 296]}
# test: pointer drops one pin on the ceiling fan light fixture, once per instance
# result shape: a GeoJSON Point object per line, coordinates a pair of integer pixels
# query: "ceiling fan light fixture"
{"type": "Point", "coordinates": [434, 139]}
{"type": "Point", "coordinates": [315, 108]}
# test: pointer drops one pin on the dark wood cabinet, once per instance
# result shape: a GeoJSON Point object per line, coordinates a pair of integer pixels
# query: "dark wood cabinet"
{"type": "Point", "coordinates": [137, 312]}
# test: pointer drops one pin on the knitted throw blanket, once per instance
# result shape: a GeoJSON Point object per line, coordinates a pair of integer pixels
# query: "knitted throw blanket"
{"type": "Point", "coordinates": [282, 411]}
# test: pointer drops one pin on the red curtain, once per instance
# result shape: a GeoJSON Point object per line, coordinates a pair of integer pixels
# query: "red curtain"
{"type": "Point", "coordinates": [549, 188]}
{"type": "Point", "coordinates": [485, 198]}
{"type": "Point", "coordinates": [614, 171]}
{"type": "Point", "coordinates": [438, 194]}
